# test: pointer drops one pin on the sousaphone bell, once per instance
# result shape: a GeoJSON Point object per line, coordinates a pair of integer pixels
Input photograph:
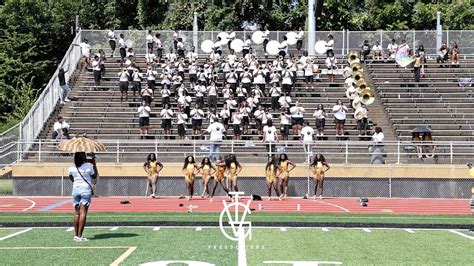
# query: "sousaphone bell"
{"type": "Point", "coordinates": [367, 96]}
{"type": "Point", "coordinates": [353, 57]}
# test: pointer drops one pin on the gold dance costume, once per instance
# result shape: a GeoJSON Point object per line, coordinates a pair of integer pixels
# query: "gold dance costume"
{"type": "Point", "coordinates": [220, 174]}
{"type": "Point", "coordinates": [152, 169]}
{"type": "Point", "coordinates": [206, 172]}
{"type": "Point", "coordinates": [189, 174]}
{"type": "Point", "coordinates": [233, 171]}
{"type": "Point", "coordinates": [318, 171]}
{"type": "Point", "coordinates": [271, 174]}
{"type": "Point", "coordinates": [284, 168]}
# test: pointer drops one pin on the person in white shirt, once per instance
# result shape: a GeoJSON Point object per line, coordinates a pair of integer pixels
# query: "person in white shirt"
{"type": "Point", "coordinates": [361, 115]}
{"type": "Point", "coordinates": [285, 122]}
{"type": "Point", "coordinates": [144, 119]}
{"type": "Point", "coordinates": [181, 121]}
{"type": "Point", "coordinates": [166, 116]}
{"type": "Point", "coordinates": [150, 59]}
{"type": "Point", "coordinates": [287, 80]}
{"type": "Point", "coordinates": [259, 115]}
{"type": "Point", "coordinates": [236, 121]}
{"type": "Point", "coordinates": [378, 137]}
{"type": "Point", "coordinates": [246, 46]}
{"type": "Point", "coordinates": [193, 71]}
{"type": "Point", "coordinates": [265, 35]}
{"type": "Point", "coordinates": [330, 45]}
{"type": "Point", "coordinates": [225, 116]}
{"type": "Point", "coordinates": [96, 70]}
{"type": "Point", "coordinates": [112, 42]}
{"type": "Point", "coordinates": [84, 176]}
{"type": "Point", "coordinates": [197, 114]}
{"type": "Point", "coordinates": [61, 129]}
{"type": "Point", "coordinates": [377, 149]}
{"type": "Point", "coordinates": [231, 58]}
{"type": "Point", "coordinates": [299, 40]}
{"type": "Point", "coordinates": [307, 134]}
{"type": "Point", "coordinates": [217, 132]}
{"type": "Point", "coordinates": [283, 47]}
{"type": "Point", "coordinates": [150, 41]}
{"type": "Point", "coordinates": [331, 64]}
{"type": "Point", "coordinates": [339, 111]}
{"type": "Point", "coordinates": [241, 94]}
{"type": "Point", "coordinates": [308, 73]}
{"type": "Point", "coordinates": [199, 92]}
{"type": "Point", "coordinates": [137, 81]}
{"type": "Point", "coordinates": [231, 79]}
{"type": "Point", "coordinates": [175, 39]}
{"type": "Point", "coordinates": [275, 93]}
{"type": "Point", "coordinates": [245, 110]}
{"type": "Point", "coordinates": [192, 55]}
{"type": "Point", "coordinates": [165, 95]}
{"type": "Point", "coordinates": [180, 48]}
{"type": "Point", "coordinates": [392, 50]}
{"type": "Point", "coordinates": [284, 101]}
{"type": "Point", "coordinates": [171, 56]}
{"type": "Point", "coordinates": [159, 47]}
{"type": "Point", "coordinates": [270, 136]}
{"type": "Point", "coordinates": [297, 114]}
{"type": "Point", "coordinates": [218, 47]}
{"type": "Point", "coordinates": [123, 83]}
{"type": "Point", "coordinates": [212, 94]}
{"type": "Point", "coordinates": [151, 76]}
{"type": "Point", "coordinates": [320, 116]}
{"type": "Point", "coordinates": [377, 53]}
{"type": "Point", "coordinates": [122, 47]}
{"type": "Point", "coordinates": [85, 51]}
{"type": "Point", "coordinates": [147, 94]}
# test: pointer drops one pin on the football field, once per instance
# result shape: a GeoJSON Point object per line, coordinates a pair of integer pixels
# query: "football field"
{"type": "Point", "coordinates": [268, 246]}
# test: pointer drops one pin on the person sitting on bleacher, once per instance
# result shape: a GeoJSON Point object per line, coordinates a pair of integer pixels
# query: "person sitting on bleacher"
{"type": "Point", "coordinates": [455, 53]}
{"type": "Point", "coordinates": [364, 50]}
{"type": "Point", "coordinates": [61, 129]}
{"type": "Point", "coordinates": [197, 114]}
{"type": "Point", "coordinates": [166, 116]}
{"type": "Point", "coordinates": [442, 54]}
{"type": "Point", "coordinates": [392, 50]}
{"type": "Point", "coordinates": [377, 51]}
{"type": "Point", "coordinates": [123, 83]}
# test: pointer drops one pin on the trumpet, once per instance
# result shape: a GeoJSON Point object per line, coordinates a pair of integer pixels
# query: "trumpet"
{"type": "Point", "coordinates": [260, 67]}
{"type": "Point", "coordinates": [280, 57]}
{"type": "Point", "coordinates": [288, 67]}
{"type": "Point", "coordinates": [246, 69]}
{"type": "Point", "coordinates": [232, 70]}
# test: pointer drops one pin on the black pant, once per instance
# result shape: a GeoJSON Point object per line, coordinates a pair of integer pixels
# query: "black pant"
{"type": "Point", "coordinates": [212, 101]}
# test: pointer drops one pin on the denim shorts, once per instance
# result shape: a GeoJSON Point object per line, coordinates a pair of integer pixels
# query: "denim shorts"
{"type": "Point", "coordinates": [81, 195]}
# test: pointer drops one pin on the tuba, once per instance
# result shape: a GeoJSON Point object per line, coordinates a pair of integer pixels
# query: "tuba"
{"type": "Point", "coordinates": [367, 96]}
{"type": "Point", "coordinates": [360, 113]}
{"type": "Point", "coordinates": [358, 75]}
{"type": "Point", "coordinates": [352, 93]}
{"type": "Point", "coordinates": [353, 57]}
{"type": "Point", "coordinates": [357, 67]}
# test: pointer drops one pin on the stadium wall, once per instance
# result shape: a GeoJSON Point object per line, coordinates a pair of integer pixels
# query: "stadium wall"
{"type": "Point", "coordinates": [345, 180]}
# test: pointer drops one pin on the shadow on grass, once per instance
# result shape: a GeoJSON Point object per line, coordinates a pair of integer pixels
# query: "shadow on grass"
{"type": "Point", "coordinates": [112, 235]}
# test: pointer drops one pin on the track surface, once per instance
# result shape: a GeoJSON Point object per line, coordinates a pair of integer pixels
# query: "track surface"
{"type": "Point", "coordinates": [171, 204]}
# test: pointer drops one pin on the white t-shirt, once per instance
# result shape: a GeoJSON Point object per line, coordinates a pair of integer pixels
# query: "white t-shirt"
{"type": "Point", "coordinates": [144, 111]}
{"type": "Point", "coordinates": [166, 113]}
{"type": "Point", "coordinates": [87, 171]}
{"type": "Point", "coordinates": [307, 132]}
{"type": "Point", "coordinates": [57, 126]}
{"type": "Point", "coordinates": [149, 38]}
{"type": "Point", "coordinates": [216, 130]}
{"type": "Point", "coordinates": [182, 117]}
{"type": "Point", "coordinates": [377, 47]}
{"type": "Point", "coordinates": [392, 47]}
{"type": "Point", "coordinates": [111, 35]}
{"type": "Point", "coordinates": [340, 112]}
{"type": "Point", "coordinates": [85, 49]}
{"type": "Point", "coordinates": [378, 137]}
{"type": "Point", "coordinates": [330, 44]}
{"type": "Point", "coordinates": [270, 133]}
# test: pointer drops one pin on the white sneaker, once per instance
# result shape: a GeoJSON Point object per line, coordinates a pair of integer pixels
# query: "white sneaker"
{"type": "Point", "coordinates": [67, 100]}
{"type": "Point", "coordinates": [77, 239]}
{"type": "Point", "coordinates": [84, 239]}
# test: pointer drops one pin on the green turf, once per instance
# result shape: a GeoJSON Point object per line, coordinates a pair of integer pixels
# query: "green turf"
{"type": "Point", "coordinates": [349, 246]}
{"type": "Point", "coordinates": [6, 187]}
{"type": "Point", "coordinates": [8, 231]}
{"type": "Point", "coordinates": [255, 217]}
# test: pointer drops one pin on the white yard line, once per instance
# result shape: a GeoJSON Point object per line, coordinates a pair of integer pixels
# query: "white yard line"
{"type": "Point", "coordinates": [115, 228]}
{"type": "Point", "coordinates": [122, 257]}
{"type": "Point", "coordinates": [410, 231]}
{"type": "Point", "coordinates": [69, 247]}
{"type": "Point", "coordinates": [462, 234]}
{"type": "Point", "coordinates": [70, 229]}
{"type": "Point", "coordinates": [198, 228]}
{"type": "Point", "coordinates": [325, 229]}
{"type": "Point", "coordinates": [33, 203]}
{"type": "Point", "coordinates": [15, 234]}
{"type": "Point", "coordinates": [283, 229]}
{"type": "Point", "coordinates": [156, 228]}
{"type": "Point", "coordinates": [366, 230]}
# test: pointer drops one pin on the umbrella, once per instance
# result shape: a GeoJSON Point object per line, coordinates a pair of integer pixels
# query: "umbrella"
{"type": "Point", "coordinates": [421, 130]}
{"type": "Point", "coordinates": [81, 144]}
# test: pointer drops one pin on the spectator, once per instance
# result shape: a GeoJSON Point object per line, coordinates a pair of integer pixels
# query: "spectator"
{"type": "Point", "coordinates": [144, 119]}
{"type": "Point", "coordinates": [61, 129]}
{"type": "Point", "coordinates": [217, 132]}
{"type": "Point", "coordinates": [364, 50]}
{"type": "Point", "coordinates": [147, 94]}
{"type": "Point", "coordinates": [197, 114]}
{"type": "Point", "coordinates": [96, 70]}
{"type": "Point", "coordinates": [320, 116]}
{"type": "Point", "coordinates": [442, 55]}
{"type": "Point", "coordinates": [416, 140]}
{"type": "Point", "coordinates": [166, 116]}
{"type": "Point", "coordinates": [417, 66]}
{"type": "Point", "coordinates": [339, 111]}
{"type": "Point", "coordinates": [181, 121]}
{"type": "Point", "coordinates": [378, 137]}
{"type": "Point", "coordinates": [429, 148]}
{"type": "Point", "coordinates": [421, 51]}
{"type": "Point", "coordinates": [270, 136]}
{"type": "Point", "coordinates": [455, 53]}
{"type": "Point", "coordinates": [377, 51]}
{"type": "Point", "coordinates": [65, 90]}
{"type": "Point", "coordinates": [392, 50]}
{"type": "Point", "coordinates": [307, 134]}
{"type": "Point", "coordinates": [123, 83]}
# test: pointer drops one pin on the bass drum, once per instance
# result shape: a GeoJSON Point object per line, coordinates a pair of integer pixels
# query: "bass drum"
{"type": "Point", "coordinates": [273, 47]}
{"type": "Point", "coordinates": [237, 45]}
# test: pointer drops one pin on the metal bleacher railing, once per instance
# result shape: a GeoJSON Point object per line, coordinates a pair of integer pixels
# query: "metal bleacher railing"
{"type": "Point", "coordinates": [343, 152]}
{"type": "Point", "coordinates": [345, 40]}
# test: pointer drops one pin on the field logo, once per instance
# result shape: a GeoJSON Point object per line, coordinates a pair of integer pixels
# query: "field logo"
{"type": "Point", "coordinates": [237, 224]}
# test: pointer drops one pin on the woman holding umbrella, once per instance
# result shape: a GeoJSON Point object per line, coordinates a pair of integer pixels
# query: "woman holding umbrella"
{"type": "Point", "coordinates": [84, 177]}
